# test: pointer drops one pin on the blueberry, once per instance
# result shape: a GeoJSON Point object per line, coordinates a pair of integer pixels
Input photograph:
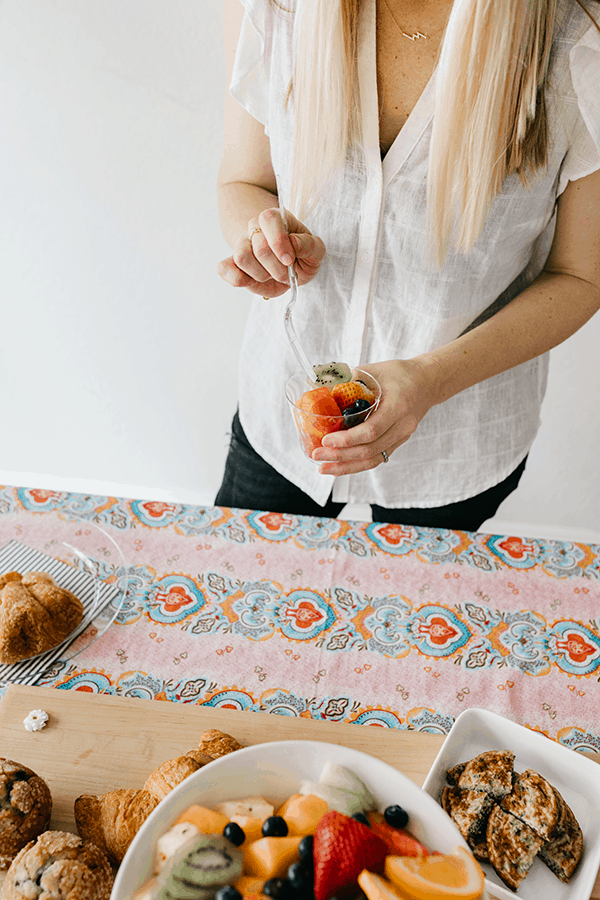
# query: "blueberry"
{"type": "Point", "coordinates": [228, 893]}
{"type": "Point", "coordinates": [354, 415]}
{"type": "Point", "coordinates": [278, 888]}
{"type": "Point", "coordinates": [300, 878]}
{"type": "Point", "coordinates": [274, 826]}
{"type": "Point", "coordinates": [234, 833]}
{"type": "Point", "coordinates": [305, 849]}
{"type": "Point", "coordinates": [396, 816]}
{"type": "Point", "coordinates": [350, 417]}
{"type": "Point", "coordinates": [360, 817]}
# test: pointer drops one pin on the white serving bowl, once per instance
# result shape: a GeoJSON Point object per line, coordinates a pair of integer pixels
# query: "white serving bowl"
{"type": "Point", "coordinates": [275, 771]}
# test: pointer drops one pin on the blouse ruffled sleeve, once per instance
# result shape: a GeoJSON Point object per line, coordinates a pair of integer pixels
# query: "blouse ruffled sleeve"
{"type": "Point", "coordinates": [583, 156]}
{"type": "Point", "coordinates": [249, 80]}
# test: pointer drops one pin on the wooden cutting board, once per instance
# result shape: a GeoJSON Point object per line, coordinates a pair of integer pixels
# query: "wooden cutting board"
{"type": "Point", "coordinates": [95, 743]}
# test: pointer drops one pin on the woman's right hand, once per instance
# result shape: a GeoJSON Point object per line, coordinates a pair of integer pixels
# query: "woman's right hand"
{"type": "Point", "coordinates": [260, 258]}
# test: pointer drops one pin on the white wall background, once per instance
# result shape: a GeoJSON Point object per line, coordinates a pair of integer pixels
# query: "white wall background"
{"type": "Point", "coordinates": [119, 342]}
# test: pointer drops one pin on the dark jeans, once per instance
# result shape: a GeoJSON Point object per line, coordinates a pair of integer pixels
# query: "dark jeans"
{"type": "Point", "coordinates": [251, 483]}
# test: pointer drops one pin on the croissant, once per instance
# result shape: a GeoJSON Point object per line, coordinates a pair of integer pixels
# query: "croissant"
{"type": "Point", "coordinates": [35, 615]}
{"type": "Point", "coordinates": [112, 820]}
{"type": "Point", "coordinates": [217, 743]}
{"type": "Point", "coordinates": [173, 771]}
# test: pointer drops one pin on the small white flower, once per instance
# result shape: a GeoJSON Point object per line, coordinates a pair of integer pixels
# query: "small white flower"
{"type": "Point", "coordinates": [36, 720]}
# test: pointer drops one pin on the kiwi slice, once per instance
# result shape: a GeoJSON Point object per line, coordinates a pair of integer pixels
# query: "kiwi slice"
{"type": "Point", "coordinates": [199, 867]}
{"type": "Point", "coordinates": [332, 373]}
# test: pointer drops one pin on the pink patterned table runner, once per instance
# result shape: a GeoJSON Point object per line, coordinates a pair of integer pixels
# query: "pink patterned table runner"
{"type": "Point", "coordinates": [366, 623]}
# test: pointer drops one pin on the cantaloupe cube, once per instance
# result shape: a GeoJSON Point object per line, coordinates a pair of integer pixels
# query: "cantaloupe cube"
{"type": "Point", "coordinates": [249, 884]}
{"type": "Point", "coordinates": [270, 857]}
{"type": "Point", "coordinates": [302, 812]}
{"type": "Point", "coordinates": [207, 821]}
{"type": "Point", "coordinates": [251, 826]}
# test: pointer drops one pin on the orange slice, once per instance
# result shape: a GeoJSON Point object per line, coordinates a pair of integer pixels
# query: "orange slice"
{"type": "Point", "coordinates": [376, 888]}
{"type": "Point", "coordinates": [456, 875]}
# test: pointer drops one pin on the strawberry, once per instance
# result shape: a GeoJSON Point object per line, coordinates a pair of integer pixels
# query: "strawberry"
{"type": "Point", "coordinates": [346, 394]}
{"type": "Point", "coordinates": [398, 841]}
{"type": "Point", "coordinates": [342, 848]}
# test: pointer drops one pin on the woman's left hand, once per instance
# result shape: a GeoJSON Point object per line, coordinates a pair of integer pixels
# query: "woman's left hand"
{"type": "Point", "coordinates": [408, 391]}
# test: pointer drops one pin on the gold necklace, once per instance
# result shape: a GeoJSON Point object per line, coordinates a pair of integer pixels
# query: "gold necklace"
{"type": "Point", "coordinates": [418, 35]}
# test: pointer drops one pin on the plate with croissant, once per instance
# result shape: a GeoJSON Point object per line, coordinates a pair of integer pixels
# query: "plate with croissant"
{"type": "Point", "coordinates": [50, 608]}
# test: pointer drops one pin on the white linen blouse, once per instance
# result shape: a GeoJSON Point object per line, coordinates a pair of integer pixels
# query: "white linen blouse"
{"type": "Point", "coordinates": [376, 296]}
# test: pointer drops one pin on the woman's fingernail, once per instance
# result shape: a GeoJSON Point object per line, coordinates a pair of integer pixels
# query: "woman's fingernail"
{"type": "Point", "coordinates": [287, 260]}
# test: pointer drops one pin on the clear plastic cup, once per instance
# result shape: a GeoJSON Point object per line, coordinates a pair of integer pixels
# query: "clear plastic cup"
{"type": "Point", "coordinates": [313, 426]}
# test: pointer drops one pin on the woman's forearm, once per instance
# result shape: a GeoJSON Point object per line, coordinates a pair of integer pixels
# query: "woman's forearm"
{"type": "Point", "coordinates": [549, 311]}
{"type": "Point", "coordinates": [239, 202]}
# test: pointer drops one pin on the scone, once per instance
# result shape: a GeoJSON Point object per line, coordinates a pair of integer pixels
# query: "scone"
{"type": "Point", "coordinates": [508, 818]}
{"type": "Point", "coordinates": [563, 852]}
{"type": "Point", "coordinates": [469, 810]}
{"type": "Point", "coordinates": [491, 772]}
{"type": "Point", "coordinates": [512, 847]}
{"type": "Point", "coordinates": [534, 801]}
{"type": "Point", "coordinates": [58, 866]}
{"type": "Point", "coordinates": [35, 615]}
{"type": "Point", "coordinates": [25, 808]}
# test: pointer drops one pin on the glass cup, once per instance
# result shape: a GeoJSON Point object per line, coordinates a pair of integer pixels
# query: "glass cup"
{"type": "Point", "coordinates": [318, 417]}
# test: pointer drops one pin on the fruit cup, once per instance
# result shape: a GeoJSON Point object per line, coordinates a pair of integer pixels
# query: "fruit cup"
{"type": "Point", "coordinates": [317, 413]}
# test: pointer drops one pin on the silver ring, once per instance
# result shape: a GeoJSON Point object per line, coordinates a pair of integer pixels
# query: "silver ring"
{"type": "Point", "coordinates": [385, 456]}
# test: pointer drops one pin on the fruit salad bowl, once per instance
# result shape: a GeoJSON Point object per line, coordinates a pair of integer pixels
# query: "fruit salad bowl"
{"type": "Point", "coordinates": [276, 771]}
{"type": "Point", "coordinates": [322, 408]}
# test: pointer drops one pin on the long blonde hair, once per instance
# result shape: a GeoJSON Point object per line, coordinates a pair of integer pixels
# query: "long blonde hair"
{"type": "Point", "coordinates": [490, 115]}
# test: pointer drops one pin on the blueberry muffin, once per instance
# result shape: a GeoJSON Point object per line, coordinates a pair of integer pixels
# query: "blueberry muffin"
{"type": "Point", "coordinates": [25, 808]}
{"type": "Point", "coordinates": [58, 866]}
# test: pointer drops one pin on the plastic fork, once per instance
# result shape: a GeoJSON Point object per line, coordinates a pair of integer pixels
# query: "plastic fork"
{"type": "Point", "coordinates": [287, 320]}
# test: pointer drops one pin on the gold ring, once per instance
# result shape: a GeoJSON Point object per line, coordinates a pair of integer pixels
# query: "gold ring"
{"type": "Point", "coordinates": [255, 231]}
{"type": "Point", "coordinates": [385, 456]}
{"type": "Point", "coordinates": [266, 298]}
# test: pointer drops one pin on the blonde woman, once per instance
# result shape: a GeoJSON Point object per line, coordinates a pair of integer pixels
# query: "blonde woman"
{"type": "Point", "coordinates": [441, 165]}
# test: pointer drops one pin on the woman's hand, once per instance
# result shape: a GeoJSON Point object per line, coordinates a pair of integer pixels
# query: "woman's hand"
{"type": "Point", "coordinates": [260, 259]}
{"type": "Point", "coordinates": [408, 391]}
